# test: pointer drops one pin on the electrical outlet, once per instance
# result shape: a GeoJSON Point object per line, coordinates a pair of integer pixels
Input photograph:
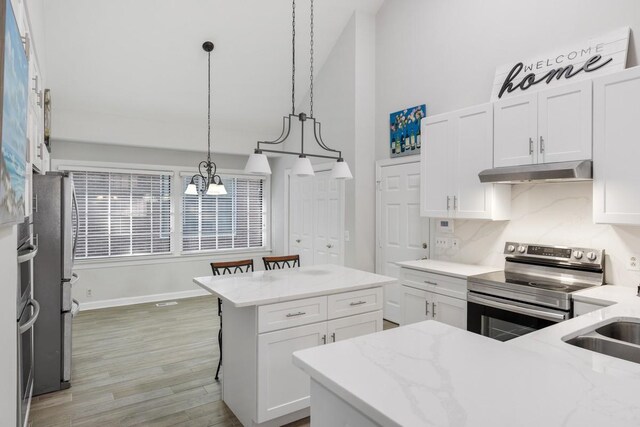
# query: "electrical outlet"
{"type": "Point", "coordinates": [443, 242]}
{"type": "Point", "coordinates": [455, 243]}
{"type": "Point", "coordinates": [89, 293]}
{"type": "Point", "coordinates": [633, 263]}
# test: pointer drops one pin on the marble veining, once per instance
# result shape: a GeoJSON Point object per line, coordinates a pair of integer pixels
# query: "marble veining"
{"type": "Point", "coordinates": [266, 287]}
{"type": "Point", "coordinates": [549, 213]}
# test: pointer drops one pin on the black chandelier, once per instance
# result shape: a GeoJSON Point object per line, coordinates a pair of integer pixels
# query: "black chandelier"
{"type": "Point", "coordinates": [213, 185]}
{"type": "Point", "coordinates": [258, 163]}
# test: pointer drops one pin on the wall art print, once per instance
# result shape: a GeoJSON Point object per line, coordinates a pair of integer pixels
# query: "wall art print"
{"type": "Point", "coordinates": [13, 142]}
{"type": "Point", "coordinates": [404, 131]}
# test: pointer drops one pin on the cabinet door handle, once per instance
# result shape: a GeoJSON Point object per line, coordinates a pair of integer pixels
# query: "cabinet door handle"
{"type": "Point", "coordinates": [541, 144]}
{"type": "Point", "coordinates": [455, 203]}
{"type": "Point", "coordinates": [426, 304]}
{"type": "Point", "coordinates": [333, 336]}
{"type": "Point", "coordinates": [430, 283]}
{"type": "Point", "coordinates": [448, 202]}
{"type": "Point", "coordinates": [324, 339]}
{"type": "Point", "coordinates": [433, 309]}
{"type": "Point", "coordinates": [530, 146]}
{"type": "Point", "coordinates": [357, 303]}
{"type": "Point", "coordinates": [300, 313]}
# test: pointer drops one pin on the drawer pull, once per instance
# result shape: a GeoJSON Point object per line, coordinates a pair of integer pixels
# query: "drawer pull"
{"type": "Point", "coordinates": [300, 313]}
{"type": "Point", "coordinates": [430, 283]}
{"type": "Point", "coordinates": [357, 303]}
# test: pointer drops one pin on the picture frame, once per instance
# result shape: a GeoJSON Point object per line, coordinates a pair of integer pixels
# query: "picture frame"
{"type": "Point", "coordinates": [404, 131]}
{"type": "Point", "coordinates": [14, 87]}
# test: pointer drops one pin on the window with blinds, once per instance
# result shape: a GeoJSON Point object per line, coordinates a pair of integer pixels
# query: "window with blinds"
{"type": "Point", "coordinates": [233, 221]}
{"type": "Point", "coordinates": [122, 214]}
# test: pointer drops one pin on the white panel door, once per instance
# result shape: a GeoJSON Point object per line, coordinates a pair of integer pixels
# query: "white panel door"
{"type": "Point", "coordinates": [301, 218]}
{"type": "Point", "coordinates": [416, 305]}
{"type": "Point", "coordinates": [515, 131]}
{"type": "Point", "coordinates": [327, 233]}
{"type": "Point", "coordinates": [473, 153]}
{"type": "Point", "coordinates": [403, 234]}
{"type": "Point", "coordinates": [616, 148]}
{"type": "Point", "coordinates": [435, 157]}
{"type": "Point", "coordinates": [354, 326]}
{"type": "Point", "coordinates": [282, 387]}
{"type": "Point", "coordinates": [565, 123]}
{"type": "Point", "coordinates": [452, 311]}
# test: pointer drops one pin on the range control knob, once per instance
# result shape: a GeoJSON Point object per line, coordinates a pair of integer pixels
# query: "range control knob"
{"type": "Point", "coordinates": [591, 256]}
{"type": "Point", "coordinates": [577, 254]}
{"type": "Point", "coordinates": [521, 249]}
{"type": "Point", "coordinates": [511, 248]}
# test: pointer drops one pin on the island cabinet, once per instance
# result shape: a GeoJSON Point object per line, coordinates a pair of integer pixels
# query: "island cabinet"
{"type": "Point", "coordinates": [457, 146]}
{"type": "Point", "coordinates": [269, 315]}
{"type": "Point", "coordinates": [553, 125]}
{"type": "Point", "coordinates": [428, 296]}
{"type": "Point", "coordinates": [616, 149]}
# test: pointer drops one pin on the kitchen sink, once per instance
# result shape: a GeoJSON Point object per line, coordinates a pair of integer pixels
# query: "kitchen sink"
{"type": "Point", "coordinates": [619, 339]}
{"type": "Point", "coordinates": [623, 331]}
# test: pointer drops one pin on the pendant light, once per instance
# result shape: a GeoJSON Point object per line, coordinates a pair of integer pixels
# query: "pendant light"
{"type": "Point", "coordinates": [213, 185]}
{"type": "Point", "coordinates": [258, 163]}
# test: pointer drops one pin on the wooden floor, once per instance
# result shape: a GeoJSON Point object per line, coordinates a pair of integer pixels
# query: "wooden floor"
{"type": "Point", "coordinates": [143, 365]}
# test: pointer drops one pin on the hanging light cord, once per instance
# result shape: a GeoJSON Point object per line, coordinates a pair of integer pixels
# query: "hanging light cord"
{"type": "Point", "coordinates": [293, 57]}
{"type": "Point", "coordinates": [311, 65]}
{"type": "Point", "coordinates": [209, 107]}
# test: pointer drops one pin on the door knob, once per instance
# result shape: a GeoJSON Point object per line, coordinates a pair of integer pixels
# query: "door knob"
{"type": "Point", "coordinates": [424, 246]}
{"type": "Point", "coordinates": [329, 245]}
{"type": "Point", "coordinates": [297, 240]}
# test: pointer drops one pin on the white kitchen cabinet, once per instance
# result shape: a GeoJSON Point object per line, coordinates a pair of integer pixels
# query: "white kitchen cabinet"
{"type": "Point", "coordinates": [452, 311]}
{"type": "Point", "coordinates": [457, 146]}
{"type": "Point", "coordinates": [616, 127]}
{"type": "Point", "coordinates": [515, 131]}
{"type": "Point", "coordinates": [354, 326]}
{"type": "Point", "coordinates": [565, 123]}
{"type": "Point", "coordinates": [549, 126]}
{"type": "Point", "coordinates": [580, 308]}
{"type": "Point", "coordinates": [282, 387]}
{"type": "Point", "coordinates": [416, 305]}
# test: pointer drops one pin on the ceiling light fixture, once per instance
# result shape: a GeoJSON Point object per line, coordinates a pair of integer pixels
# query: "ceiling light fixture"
{"type": "Point", "coordinates": [213, 185]}
{"type": "Point", "coordinates": [258, 163]}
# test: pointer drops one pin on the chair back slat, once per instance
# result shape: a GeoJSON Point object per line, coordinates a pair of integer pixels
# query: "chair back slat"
{"type": "Point", "coordinates": [231, 267]}
{"type": "Point", "coordinates": [280, 262]}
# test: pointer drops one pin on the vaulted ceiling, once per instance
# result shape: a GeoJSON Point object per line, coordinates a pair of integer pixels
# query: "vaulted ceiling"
{"type": "Point", "coordinates": [143, 58]}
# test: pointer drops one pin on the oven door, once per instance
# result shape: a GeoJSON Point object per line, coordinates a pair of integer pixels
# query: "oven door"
{"type": "Point", "coordinates": [25, 359]}
{"type": "Point", "coordinates": [504, 319]}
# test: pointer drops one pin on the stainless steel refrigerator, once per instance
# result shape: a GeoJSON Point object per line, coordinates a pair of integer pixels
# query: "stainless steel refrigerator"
{"type": "Point", "coordinates": [55, 220]}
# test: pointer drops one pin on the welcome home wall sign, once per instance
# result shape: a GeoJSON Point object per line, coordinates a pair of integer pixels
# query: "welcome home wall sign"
{"type": "Point", "coordinates": [602, 54]}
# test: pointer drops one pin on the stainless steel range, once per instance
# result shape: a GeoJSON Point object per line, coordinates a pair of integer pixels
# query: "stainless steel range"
{"type": "Point", "coordinates": [534, 290]}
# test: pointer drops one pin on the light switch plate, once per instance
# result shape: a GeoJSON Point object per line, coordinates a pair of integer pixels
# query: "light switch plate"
{"type": "Point", "coordinates": [346, 235]}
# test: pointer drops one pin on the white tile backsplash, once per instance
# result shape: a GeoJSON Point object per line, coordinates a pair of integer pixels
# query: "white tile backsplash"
{"type": "Point", "coordinates": [556, 214]}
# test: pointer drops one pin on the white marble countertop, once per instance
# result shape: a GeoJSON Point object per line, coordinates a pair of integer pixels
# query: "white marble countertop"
{"type": "Point", "coordinates": [606, 294]}
{"type": "Point", "coordinates": [433, 374]}
{"type": "Point", "coordinates": [267, 287]}
{"type": "Point", "coordinates": [453, 269]}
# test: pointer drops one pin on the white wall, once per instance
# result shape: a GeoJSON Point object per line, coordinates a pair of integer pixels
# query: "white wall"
{"type": "Point", "coordinates": [115, 282]}
{"type": "Point", "coordinates": [450, 64]}
{"type": "Point", "coordinates": [8, 325]}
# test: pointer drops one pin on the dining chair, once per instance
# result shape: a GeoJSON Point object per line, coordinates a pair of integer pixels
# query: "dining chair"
{"type": "Point", "coordinates": [220, 269]}
{"type": "Point", "coordinates": [280, 262]}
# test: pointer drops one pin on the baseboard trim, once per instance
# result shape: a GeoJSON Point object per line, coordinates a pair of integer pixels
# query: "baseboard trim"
{"type": "Point", "coordinates": [118, 302]}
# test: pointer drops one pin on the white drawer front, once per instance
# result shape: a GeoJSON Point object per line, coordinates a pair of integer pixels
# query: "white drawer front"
{"type": "Point", "coordinates": [356, 302]}
{"type": "Point", "coordinates": [291, 313]}
{"type": "Point", "coordinates": [435, 282]}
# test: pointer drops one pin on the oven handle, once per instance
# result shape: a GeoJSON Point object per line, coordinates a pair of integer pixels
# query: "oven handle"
{"type": "Point", "coordinates": [24, 328]}
{"type": "Point", "coordinates": [540, 314]}
{"type": "Point", "coordinates": [29, 254]}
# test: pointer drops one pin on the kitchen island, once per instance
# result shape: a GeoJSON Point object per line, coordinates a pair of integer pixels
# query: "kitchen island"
{"type": "Point", "coordinates": [268, 315]}
{"type": "Point", "coordinates": [429, 373]}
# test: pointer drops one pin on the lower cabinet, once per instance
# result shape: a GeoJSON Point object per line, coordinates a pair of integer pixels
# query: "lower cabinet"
{"type": "Point", "coordinates": [282, 387]}
{"type": "Point", "coordinates": [419, 305]}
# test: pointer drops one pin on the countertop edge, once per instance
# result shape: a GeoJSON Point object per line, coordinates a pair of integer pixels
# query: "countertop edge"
{"type": "Point", "coordinates": [405, 264]}
{"type": "Point", "coordinates": [267, 301]}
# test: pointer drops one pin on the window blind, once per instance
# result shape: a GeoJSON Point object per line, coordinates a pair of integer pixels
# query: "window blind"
{"type": "Point", "coordinates": [233, 221]}
{"type": "Point", "coordinates": [122, 214]}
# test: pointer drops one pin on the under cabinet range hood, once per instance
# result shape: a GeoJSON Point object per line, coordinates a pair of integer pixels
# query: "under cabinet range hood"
{"type": "Point", "coordinates": [580, 170]}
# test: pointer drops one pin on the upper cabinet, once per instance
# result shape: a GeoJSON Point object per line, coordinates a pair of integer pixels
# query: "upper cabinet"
{"type": "Point", "coordinates": [616, 148]}
{"type": "Point", "coordinates": [456, 147]}
{"type": "Point", "coordinates": [545, 127]}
